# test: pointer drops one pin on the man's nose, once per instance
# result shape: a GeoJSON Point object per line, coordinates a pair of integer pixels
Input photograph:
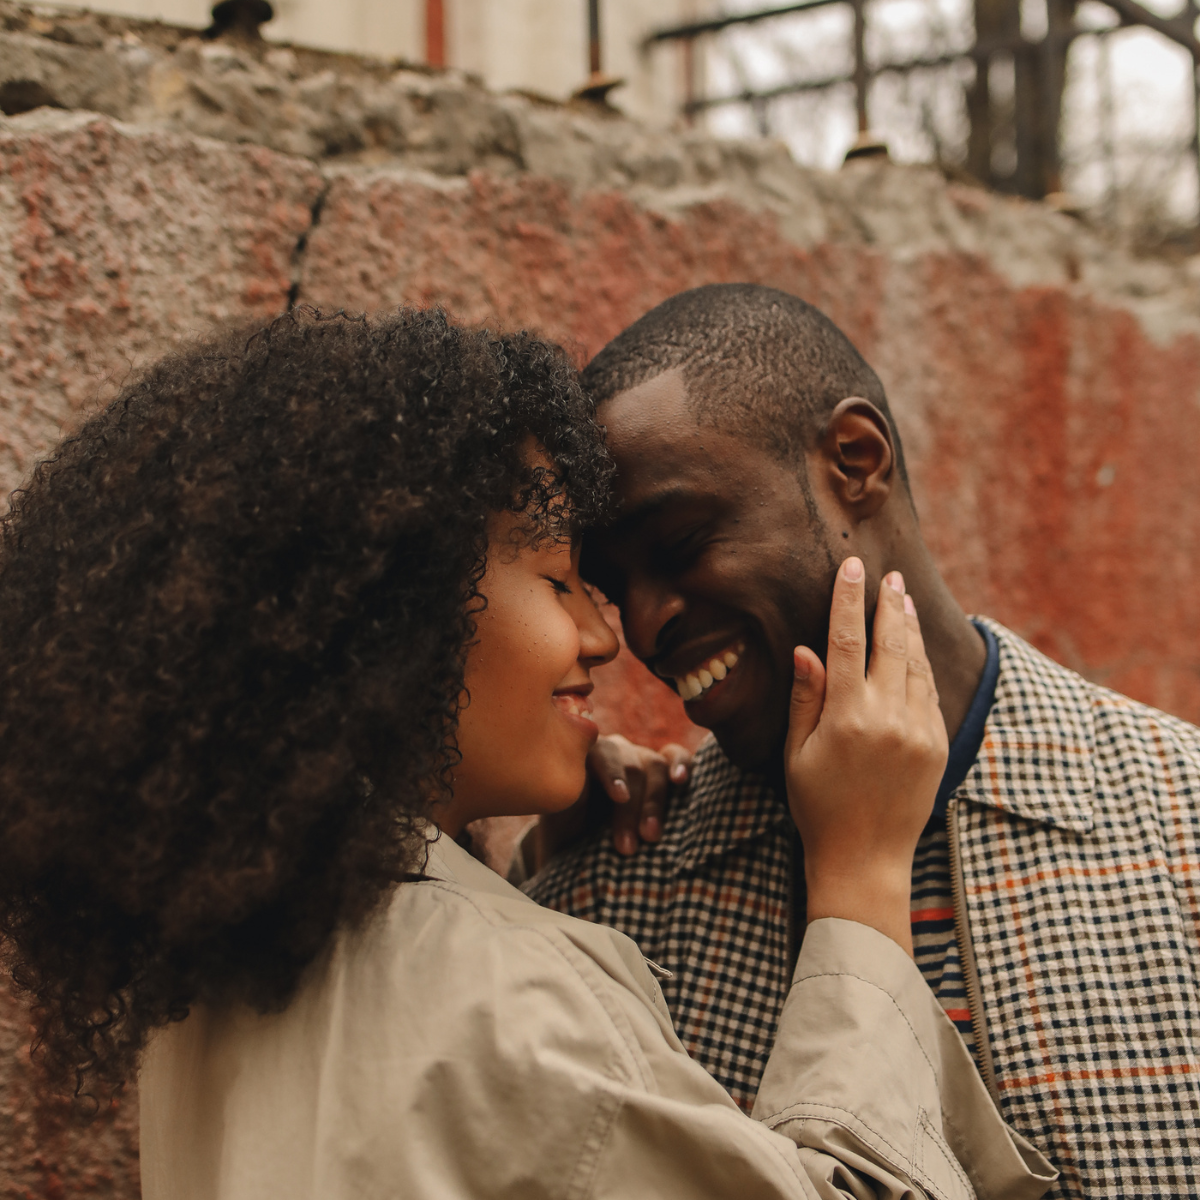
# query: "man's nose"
{"type": "Point", "coordinates": [649, 613]}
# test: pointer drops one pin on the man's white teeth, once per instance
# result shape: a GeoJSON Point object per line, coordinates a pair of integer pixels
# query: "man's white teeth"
{"type": "Point", "coordinates": [699, 681]}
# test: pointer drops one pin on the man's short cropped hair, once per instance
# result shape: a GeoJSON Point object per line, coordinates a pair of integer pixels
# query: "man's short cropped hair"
{"type": "Point", "coordinates": [754, 359]}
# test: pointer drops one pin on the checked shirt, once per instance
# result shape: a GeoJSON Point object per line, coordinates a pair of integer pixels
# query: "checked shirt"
{"type": "Point", "coordinates": [1078, 833]}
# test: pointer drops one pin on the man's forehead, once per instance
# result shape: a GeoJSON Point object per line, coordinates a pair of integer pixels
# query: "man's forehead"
{"type": "Point", "coordinates": [653, 409]}
{"type": "Point", "coordinates": [670, 464]}
{"type": "Point", "coordinates": [663, 479]}
{"type": "Point", "coordinates": [640, 508]}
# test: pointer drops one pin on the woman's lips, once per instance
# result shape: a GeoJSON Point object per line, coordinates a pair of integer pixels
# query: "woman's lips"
{"type": "Point", "coordinates": [577, 708]}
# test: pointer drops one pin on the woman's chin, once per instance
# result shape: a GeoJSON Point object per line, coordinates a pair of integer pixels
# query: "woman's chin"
{"type": "Point", "coordinates": [539, 784]}
{"type": "Point", "coordinates": [561, 804]}
{"type": "Point", "coordinates": [544, 801]}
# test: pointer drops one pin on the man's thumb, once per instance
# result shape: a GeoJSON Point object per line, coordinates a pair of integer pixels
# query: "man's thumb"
{"type": "Point", "coordinates": [808, 697]}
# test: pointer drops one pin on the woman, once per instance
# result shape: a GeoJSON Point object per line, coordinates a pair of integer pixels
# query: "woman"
{"type": "Point", "coordinates": [286, 610]}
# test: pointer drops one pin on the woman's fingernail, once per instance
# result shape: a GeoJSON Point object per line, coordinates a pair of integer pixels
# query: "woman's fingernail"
{"type": "Point", "coordinates": [621, 788]}
{"type": "Point", "coordinates": [853, 569]}
{"type": "Point", "coordinates": [896, 582]}
{"type": "Point", "coordinates": [651, 829]}
{"type": "Point", "coordinates": [909, 606]}
{"type": "Point", "coordinates": [678, 773]}
{"type": "Point", "coordinates": [802, 667]}
{"type": "Point", "coordinates": [626, 843]}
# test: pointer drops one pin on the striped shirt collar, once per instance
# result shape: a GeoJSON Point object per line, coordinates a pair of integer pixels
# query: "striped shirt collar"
{"type": "Point", "coordinates": [964, 749]}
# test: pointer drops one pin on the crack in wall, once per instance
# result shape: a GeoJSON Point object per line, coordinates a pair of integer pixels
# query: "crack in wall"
{"type": "Point", "coordinates": [299, 250]}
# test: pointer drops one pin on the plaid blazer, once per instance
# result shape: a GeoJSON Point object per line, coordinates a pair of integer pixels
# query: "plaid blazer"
{"type": "Point", "coordinates": [1078, 834]}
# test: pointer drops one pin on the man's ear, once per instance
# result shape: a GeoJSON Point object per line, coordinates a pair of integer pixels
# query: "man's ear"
{"type": "Point", "coordinates": [856, 456]}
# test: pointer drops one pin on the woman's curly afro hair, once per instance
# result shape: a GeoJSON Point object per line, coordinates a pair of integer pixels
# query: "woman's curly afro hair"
{"type": "Point", "coordinates": [234, 609]}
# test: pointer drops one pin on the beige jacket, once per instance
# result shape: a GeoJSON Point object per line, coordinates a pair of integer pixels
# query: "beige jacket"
{"type": "Point", "coordinates": [467, 1044]}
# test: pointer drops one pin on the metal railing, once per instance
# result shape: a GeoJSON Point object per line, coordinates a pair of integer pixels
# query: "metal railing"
{"type": "Point", "coordinates": [1040, 66]}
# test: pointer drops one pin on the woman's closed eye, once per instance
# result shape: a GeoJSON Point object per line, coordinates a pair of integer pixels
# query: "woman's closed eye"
{"type": "Point", "coordinates": [559, 585]}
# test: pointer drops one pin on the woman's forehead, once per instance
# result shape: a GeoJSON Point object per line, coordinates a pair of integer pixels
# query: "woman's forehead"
{"type": "Point", "coordinates": [512, 533]}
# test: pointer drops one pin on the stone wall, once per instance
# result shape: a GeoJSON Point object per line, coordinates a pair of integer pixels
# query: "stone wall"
{"type": "Point", "coordinates": [1047, 383]}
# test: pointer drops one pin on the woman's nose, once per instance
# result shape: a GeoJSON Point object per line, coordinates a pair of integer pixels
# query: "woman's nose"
{"type": "Point", "coordinates": [598, 643]}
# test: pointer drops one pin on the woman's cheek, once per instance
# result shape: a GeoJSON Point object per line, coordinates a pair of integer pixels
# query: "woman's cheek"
{"type": "Point", "coordinates": [566, 642]}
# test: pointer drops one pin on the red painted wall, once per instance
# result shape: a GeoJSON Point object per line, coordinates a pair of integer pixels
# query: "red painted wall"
{"type": "Point", "coordinates": [1052, 442]}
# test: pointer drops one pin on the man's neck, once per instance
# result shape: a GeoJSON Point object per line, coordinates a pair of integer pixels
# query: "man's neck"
{"type": "Point", "coordinates": [956, 652]}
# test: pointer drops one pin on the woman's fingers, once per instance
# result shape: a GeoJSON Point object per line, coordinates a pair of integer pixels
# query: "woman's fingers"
{"type": "Point", "coordinates": [808, 698]}
{"type": "Point", "coordinates": [920, 675]}
{"type": "Point", "coordinates": [628, 789]}
{"type": "Point", "coordinates": [654, 799]}
{"type": "Point", "coordinates": [846, 661]}
{"type": "Point", "coordinates": [639, 782]}
{"type": "Point", "coordinates": [922, 687]}
{"type": "Point", "coordinates": [864, 760]}
{"type": "Point", "coordinates": [609, 761]}
{"type": "Point", "coordinates": [917, 657]}
{"type": "Point", "coordinates": [669, 768]}
{"type": "Point", "coordinates": [889, 645]}
{"type": "Point", "coordinates": [679, 762]}
{"type": "Point", "coordinates": [614, 764]}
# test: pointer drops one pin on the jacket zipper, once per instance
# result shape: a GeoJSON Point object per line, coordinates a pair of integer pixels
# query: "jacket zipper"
{"type": "Point", "coordinates": [966, 956]}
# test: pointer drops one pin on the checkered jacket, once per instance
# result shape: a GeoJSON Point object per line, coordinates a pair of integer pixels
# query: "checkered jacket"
{"type": "Point", "coordinates": [1079, 837]}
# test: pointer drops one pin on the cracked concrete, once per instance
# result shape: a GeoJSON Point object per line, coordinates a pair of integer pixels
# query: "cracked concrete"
{"type": "Point", "coordinates": [298, 251]}
{"type": "Point", "coordinates": [352, 113]}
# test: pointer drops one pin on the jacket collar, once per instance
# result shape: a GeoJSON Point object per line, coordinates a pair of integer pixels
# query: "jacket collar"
{"type": "Point", "coordinates": [722, 808]}
{"type": "Point", "coordinates": [1036, 759]}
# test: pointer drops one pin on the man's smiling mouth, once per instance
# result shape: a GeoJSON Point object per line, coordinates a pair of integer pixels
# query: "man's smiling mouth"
{"type": "Point", "coordinates": [695, 683]}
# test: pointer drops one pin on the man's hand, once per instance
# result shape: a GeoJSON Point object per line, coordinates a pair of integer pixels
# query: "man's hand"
{"type": "Point", "coordinates": [865, 753]}
{"type": "Point", "coordinates": [629, 785]}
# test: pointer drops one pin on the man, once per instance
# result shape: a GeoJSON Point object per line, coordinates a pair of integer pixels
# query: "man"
{"type": "Point", "coordinates": [1056, 890]}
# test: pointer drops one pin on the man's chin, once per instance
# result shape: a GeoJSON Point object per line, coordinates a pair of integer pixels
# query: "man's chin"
{"type": "Point", "coordinates": [750, 746]}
